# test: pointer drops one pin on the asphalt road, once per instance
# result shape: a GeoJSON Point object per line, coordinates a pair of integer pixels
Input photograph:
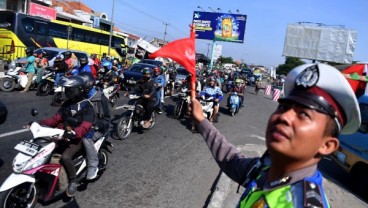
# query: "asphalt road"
{"type": "Point", "coordinates": [166, 166]}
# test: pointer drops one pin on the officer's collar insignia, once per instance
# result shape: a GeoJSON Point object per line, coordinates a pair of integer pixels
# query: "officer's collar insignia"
{"type": "Point", "coordinates": [308, 78]}
{"type": "Point", "coordinates": [281, 181]}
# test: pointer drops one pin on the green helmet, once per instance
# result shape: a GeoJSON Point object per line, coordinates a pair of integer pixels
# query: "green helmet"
{"type": "Point", "coordinates": [238, 81]}
{"type": "Point", "coordinates": [146, 71]}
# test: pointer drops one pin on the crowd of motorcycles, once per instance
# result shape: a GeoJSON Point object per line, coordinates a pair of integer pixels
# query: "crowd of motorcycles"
{"type": "Point", "coordinates": [37, 173]}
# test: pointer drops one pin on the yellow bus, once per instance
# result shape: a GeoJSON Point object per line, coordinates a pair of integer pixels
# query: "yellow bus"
{"type": "Point", "coordinates": [19, 31]}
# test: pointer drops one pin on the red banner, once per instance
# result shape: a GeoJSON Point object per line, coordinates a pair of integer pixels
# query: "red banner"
{"type": "Point", "coordinates": [42, 11]}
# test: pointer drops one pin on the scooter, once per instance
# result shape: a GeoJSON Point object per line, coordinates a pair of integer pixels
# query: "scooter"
{"type": "Point", "coordinates": [15, 79]}
{"type": "Point", "coordinates": [114, 95]}
{"type": "Point", "coordinates": [233, 103]}
{"type": "Point", "coordinates": [133, 117]}
{"type": "Point", "coordinates": [37, 171]}
{"type": "Point", "coordinates": [45, 87]}
{"type": "Point", "coordinates": [207, 103]}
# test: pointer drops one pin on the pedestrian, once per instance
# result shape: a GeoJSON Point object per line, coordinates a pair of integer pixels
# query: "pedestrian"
{"type": "Point", "coordinates": [319, 104]}
{"type": "Point", "coordinates": [159, 81]}
{"type": "Point", "coordinates": [30, 68]}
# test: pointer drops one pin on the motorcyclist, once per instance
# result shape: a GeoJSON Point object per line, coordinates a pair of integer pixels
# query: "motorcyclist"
{"type": "Point", "coordinates": [101, 124]}
{"type": "Point", "coordinates": [30, 68]}
{"type": "Point", "coordinates": [211, 90]}
{"type": "Point", "coordinates": [61, 67]}
{"type": "Point", "coordinates": [159, 81]}
{"type": "Point", "coordinates": [42, 64]}
{"type": "Point", "coordinates": [146, 88]}
{"type": "Point", "coordinates": [258, 85]}
{"type": "Point", "coordinates": [106, 76]}
{"type": "Point", "coordinates": [81, 110]}
{"type": "Point", "coordinates": [83, 66]}
{"type": "Point", "coordinates": [68, 60]}
{"type": "Point", "coordinates": [239, 88]}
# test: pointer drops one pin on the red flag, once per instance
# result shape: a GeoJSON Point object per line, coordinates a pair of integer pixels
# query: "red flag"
{"type": "Point", "coordinates": [183, 52]}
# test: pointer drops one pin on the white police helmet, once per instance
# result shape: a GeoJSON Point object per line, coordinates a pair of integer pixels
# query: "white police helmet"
{"type": "Point", "coordinates": [325, 89]}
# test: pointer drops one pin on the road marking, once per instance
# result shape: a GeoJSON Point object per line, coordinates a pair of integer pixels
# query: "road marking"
{"type": "Point", "coordinates": [258, 137]}
{"type": "Point", "coordinates": [13, 132]}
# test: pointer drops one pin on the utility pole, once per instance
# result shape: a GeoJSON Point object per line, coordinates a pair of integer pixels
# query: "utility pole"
{"type": "Point", "coordinates": [112, 26]}
{"type": "Point", "coordinates": [166, 24]}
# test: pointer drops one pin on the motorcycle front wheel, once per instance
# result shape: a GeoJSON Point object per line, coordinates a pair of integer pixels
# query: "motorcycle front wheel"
{"type": "Point", "coordinates": [124, 128]}
{"type": "Point", "coordinates": [178, 110]}
{"type": "Point", "coordinates": [7, 84]}
{"type": "Point", "coordinates": [17, 196]}
{"type": "Point", "coordinates": [57, 99]}
{"type": "Point", "coordinates": [44, 88]}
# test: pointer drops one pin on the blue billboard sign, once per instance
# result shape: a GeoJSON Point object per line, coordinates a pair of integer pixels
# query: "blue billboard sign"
{"type": "Point", "coordinates": [219, 26]}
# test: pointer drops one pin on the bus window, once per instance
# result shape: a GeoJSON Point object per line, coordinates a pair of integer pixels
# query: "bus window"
{"type": "Point", "coordinates": [28, 25]}
{"type": "Point", "coordinates": [41, 28]}
{"type": "Point", "coordinates": [104, 39]}
{"type": "Point", "coordinates": [77, 35]}
{"type": "Point", "coordinates": [7, 20]}
{"type": "Point", "coordinates": [58, 31]}
{"type": "Point", "coordinates": [91, 37]}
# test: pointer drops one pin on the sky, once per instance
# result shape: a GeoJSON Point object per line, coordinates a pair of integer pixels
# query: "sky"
{"type": "Point", "coordinates": [266, 25]}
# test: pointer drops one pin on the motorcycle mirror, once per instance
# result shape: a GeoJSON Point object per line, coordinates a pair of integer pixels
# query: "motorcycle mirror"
{"type": "Point", "coordinates": [3, 112]}
{"type": "Point", "coordinates": [34, 112]}
{"type": "Point", "coordinates": [72, 122]}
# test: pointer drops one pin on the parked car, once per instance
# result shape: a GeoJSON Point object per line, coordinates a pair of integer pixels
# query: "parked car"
{"type": "Point", "coordinates": [134, 73]}
{"type": "Point", "coordinates": [52, 52]}
{"type": "Point", "coordinates": [151, 61]}
{"type": "Point", "coordinates": [352, 154]}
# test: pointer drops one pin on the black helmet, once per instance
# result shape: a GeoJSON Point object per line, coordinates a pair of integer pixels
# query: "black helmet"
{"type": "Point", "coordinates": [29, 51]}
{"type": "Point", "coordinates": [88, 79]}
{"type": "Point", "coordinates": [83, 60]}
{"type": "Point", "coordinates": [68, 54]}
{"type": "Point", "coordinates": [74, 87]}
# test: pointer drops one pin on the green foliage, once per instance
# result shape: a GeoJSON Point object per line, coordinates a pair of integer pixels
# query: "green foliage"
{"type": "Point", "coordinates": [290, 63]}
{"type": "Point", "coordinates": [225, 60]}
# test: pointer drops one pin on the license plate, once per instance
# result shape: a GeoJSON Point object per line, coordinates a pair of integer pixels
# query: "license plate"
{"type": "Point", "coordinates": [28, 148]}
{"type": "Point", "coordinates": [341, 157]}
{"type": "Point", "coordinates": [131, 81]}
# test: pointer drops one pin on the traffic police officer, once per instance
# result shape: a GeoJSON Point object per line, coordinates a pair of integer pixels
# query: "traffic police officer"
{"type": "Point", "coordinates": [319, 104]}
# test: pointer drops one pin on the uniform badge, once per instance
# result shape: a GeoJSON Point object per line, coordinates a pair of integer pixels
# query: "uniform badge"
{"type": "Point", "coordinates": [308, 77]}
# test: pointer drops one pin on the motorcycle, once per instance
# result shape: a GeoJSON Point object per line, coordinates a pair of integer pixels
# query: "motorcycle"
{"type": "Point", "coordinates": [45, 87]}
{"type": "Point", "coordinates": [133, 117]}
{"type": "Point", "coordinates": [234, 103]}
{"type": "Point", "coordinates": [37, 171]}
{"type": "Point", "coordinates": [207, 103]}
{"type": "Point", "coordinates": [114, 95]}
{"type": "Point", "coordinates": [181, 106]}
{"type": "Point", "coordinates": [58, 97]}
{"type": "Point", "coordinates": [15, 78]}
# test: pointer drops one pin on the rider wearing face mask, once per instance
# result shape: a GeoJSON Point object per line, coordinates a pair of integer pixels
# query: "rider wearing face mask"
{"type": "Point", "coordinates": [211, 90]}
{"type": "Point", "coordinates": [81, 110]}
{"type": "Point", "coordinates": [146, 88]}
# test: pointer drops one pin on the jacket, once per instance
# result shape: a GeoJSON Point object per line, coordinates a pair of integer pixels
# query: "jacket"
{"type": "Point", "coordinates": [82, 111]}
{"type": "Point", "coordinates": [101, 108]}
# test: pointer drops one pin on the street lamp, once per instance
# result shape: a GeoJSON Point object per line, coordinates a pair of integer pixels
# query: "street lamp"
{"type": "Point", "coordinates": [199, 7]}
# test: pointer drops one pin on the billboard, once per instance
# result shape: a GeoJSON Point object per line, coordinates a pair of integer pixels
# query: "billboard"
{"type": "Point", "coordinates": [42, 11]}
{"type": "Point", "coordinates": [219, 26]}
{"type": "Point", "coordinates": [320, 43]}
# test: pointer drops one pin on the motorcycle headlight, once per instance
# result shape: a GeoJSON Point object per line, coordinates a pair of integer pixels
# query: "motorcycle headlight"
{"type": "Point", "coordinates": [19, 162]}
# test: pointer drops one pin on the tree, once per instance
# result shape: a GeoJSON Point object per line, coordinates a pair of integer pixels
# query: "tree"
{"type": "Point", "coordinates": [290, 63]}
{"type": "Point", "coordinates": [225, 60]}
